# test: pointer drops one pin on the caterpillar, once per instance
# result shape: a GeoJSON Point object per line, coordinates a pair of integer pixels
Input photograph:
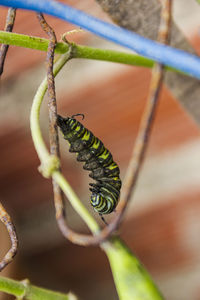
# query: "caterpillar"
{"type": "Point", "coordinates": [98, 160]}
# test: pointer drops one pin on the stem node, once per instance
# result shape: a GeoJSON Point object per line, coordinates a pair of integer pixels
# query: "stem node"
{"type": "Point", "coordinates": [49, 166]}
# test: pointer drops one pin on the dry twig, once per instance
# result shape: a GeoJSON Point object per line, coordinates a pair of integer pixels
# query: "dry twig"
{"type": "Point", "coordinates": [8, 27]}
{"type": "Point", "coordinates": [74, 237]}
{"type": "Point", "coordinates": [4, 216]}
{"type": "Point", "coordinates": [142, 139]}
{"type": "Point", "coordinates": [6, 220]}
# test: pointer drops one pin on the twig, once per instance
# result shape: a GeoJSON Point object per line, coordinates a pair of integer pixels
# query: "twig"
{"type": "Point", "coordinates": [6, 220]}
{"type": "Point", "coordinates": [54, 144]}
{"type": "Point", "coordinates": [8, 27]}
{"type": "Point", "coordinates": [4, 216]}
{"type": "Point", "coordinates": [48, 162]}
{"type": "Point", "coordinates": [149, 113]}
{"type": "Point", "coordinates": [142, 139]}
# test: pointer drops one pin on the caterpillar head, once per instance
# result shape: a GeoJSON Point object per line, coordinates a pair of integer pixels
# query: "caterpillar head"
{"type": "Point", "coordinates": [67, 124]}
{"type": "Point", "coordinates": [64, 124]}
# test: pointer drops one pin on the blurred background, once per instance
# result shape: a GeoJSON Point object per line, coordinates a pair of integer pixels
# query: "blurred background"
{"type": "Point", "coordinates": [162, 224]}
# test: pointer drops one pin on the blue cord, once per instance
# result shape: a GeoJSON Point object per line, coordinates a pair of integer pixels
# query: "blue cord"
{"type": "Point", "coordinates": [175, 58]}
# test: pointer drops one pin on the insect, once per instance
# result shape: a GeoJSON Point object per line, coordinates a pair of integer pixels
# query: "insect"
{"type": "Point", "coordinates": [98, 160]}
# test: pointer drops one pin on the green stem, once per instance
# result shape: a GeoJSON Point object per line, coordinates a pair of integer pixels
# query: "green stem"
{"type": "Point", "coordinates": [24, 290]}
{"type": "Point", "coordinates": [31, 42]}
{"type": "Point", "coordinates": [48, 162]}
{"type": "Point", "coordinates": [111, 56]}
{"type": "Point", "coordinates": [84, 52]}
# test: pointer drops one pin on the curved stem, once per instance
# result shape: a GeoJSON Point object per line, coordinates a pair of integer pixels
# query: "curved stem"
{"type": "Point", "coordinates": [47, 159]}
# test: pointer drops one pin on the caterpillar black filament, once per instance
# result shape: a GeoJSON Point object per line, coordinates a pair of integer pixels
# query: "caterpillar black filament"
{"type": "Point", "coordinates": [98, 160]}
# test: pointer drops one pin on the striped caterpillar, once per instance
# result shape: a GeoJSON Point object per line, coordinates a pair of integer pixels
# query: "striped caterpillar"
{"type": "Point", "coordinates": [98, 160]}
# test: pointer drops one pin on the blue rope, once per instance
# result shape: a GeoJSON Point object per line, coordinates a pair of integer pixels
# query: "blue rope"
{"type": "Point", "coordinates": [175, 58]}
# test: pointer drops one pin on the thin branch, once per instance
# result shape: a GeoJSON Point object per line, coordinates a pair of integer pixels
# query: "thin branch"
{"type": "Point", "coordinates": [4, 216]}
{"type": "Point", "coordinates": [149, 112]}
{"type": "Point", "coordinates": [49, 163]}
{"type": "Point", "coordinates": [6, 220]}
{"type": "Point", "coordinates": [8, 27]}
{"type": "Point", "coordinates": [54, 144]}
{"type": "Point", "coordinates": [143, 137]}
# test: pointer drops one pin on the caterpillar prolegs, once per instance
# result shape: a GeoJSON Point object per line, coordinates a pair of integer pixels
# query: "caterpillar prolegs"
{"type": "Point", "coordinates": [98, 160]}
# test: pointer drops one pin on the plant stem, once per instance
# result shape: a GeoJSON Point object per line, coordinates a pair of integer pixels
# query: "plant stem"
{"type": "Point", "coordinates": [24, 290]}
{"type": "Point", "coordinates": [79, 51]}
{"type": "Point", "coordinates": [31, 42]}
{"type": "Point", "coordinates": [48, 161]}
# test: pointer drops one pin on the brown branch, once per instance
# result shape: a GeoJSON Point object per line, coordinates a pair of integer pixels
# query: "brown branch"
{"type": "Point", "coordinates": [143, 137]}
{"type": "Point", "coordinates": [4, 216]}
{"type": "Point", "coordinates": [8, 27]}
{"type": "Point", "coordinates": [74, 237]}
{"type": "Point", "coordinates": [149, 112]}
{"type": "Point", "coordinates": [6, 220]}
